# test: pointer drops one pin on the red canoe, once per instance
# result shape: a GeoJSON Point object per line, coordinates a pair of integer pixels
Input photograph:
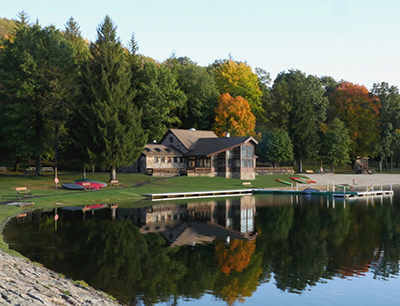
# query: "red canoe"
{"type": "Point", "coordinates": [93, 185]}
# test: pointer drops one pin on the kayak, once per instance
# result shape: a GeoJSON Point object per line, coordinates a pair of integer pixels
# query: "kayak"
{"type": "Point", "coordinates": [307, 179]}
{"type": "Point", "coordinates": [299, 180]}
{"type": "Point", "coordinates": [72, 186]}
{"type": "Point", "coordinates": [284, 182]}
{"type": "Point", "coordinates": [101, 184]}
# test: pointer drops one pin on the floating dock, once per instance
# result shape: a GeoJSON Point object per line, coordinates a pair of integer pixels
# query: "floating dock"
{"type": "Point", "coordinates": [198, 194]}
{"type": "Point", "coordinates": [349, 194]}
{"type": "Point", "coordinates": [336, 194]}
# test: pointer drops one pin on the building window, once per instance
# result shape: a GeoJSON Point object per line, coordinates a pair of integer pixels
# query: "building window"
{"type": "Point", "coordinates": [169, 159]}
{"type": "Point", "coordinates": [250, 151]}
{"type": "Point", "coordinates": [162, 159]}
{"type": "Point", "coordinates": [156, 159]}
{"type": "Point", "coordinates": [243, 151]}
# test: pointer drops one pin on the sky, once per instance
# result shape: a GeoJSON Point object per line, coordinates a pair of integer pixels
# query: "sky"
{"type": "Point", "coordinates": [352, 40]}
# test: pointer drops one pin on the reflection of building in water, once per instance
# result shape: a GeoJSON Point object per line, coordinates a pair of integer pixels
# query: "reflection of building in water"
{"type": "Point", "coordinates": [203, 221]}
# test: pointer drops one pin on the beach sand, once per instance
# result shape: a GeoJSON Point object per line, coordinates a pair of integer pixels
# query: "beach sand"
{"type": "Point", "coordinates": [360, 180]}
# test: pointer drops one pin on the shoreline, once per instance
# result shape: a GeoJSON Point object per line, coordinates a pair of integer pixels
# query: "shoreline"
{"type": "Point", "coordinates": [23, 282]}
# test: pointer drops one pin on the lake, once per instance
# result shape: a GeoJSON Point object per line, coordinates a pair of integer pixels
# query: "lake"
{"type": "Point", "coordinates": [264, 249]}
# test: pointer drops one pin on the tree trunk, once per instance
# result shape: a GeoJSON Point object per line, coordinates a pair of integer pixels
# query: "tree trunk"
{"type": "Point", "coordinates": [391, 163]}
{"type": "Point", "coordinates": [38, 164]}
{"type": "Point", "coordinates": [380, 165]}
{"type": "Point", "coordinates": [84, 172]}
{"type": "Point", "coordinates": [300, 167]}
{"type": "Point", "coordinates": [16, 166]}
{"type": "Point", "coordinates": [332, 169]}
{"type": "Point", "coordinates": [113, 173]}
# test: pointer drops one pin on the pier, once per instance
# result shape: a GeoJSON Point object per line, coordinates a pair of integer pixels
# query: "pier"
{"type": "Point", "coordinates": [369, 192]}
{"type": "Point", "coordinates": [198, 194]}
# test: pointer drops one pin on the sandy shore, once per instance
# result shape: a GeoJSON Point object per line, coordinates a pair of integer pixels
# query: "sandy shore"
{"type": "Point", "coordinates": [359, 179]}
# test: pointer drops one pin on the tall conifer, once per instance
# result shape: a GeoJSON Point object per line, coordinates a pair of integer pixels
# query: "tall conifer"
{"type": "Point", "coordinates": [110, 130]}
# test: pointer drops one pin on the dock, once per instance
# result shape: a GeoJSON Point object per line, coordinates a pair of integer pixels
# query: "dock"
{"type": "Point", "coordinates": [242, 192]}
{"type": "Point", "coordinates": [364, 193]}
{"type": "Point", "coordinates": [198, 194]}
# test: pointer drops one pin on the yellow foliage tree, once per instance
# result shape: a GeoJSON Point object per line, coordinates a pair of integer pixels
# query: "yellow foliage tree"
{"type": "Point", "coordinates": [238, 79]}
{"type": "Point", "coordinates": [234, 115]}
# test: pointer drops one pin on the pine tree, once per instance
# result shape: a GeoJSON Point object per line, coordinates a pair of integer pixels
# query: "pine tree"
{"type": "Point", "coordinates": [110, 130]}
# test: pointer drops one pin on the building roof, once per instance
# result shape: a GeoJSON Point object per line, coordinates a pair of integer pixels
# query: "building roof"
{"type": "Point", "coordinates": [210, 146]}
{"type": "Point", "coordinates": [189, 138]}
{"type": "Point", "coordinates": [155, 149]}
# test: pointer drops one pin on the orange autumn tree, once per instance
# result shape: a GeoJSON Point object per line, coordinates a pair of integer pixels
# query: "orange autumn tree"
{"type": "Point", "coordinates": [233, 115]}
{"type": "Point", "coordinates": [358, 109]}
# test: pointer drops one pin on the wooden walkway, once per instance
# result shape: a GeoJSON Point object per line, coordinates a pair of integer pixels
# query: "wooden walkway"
{"type": "Point", "coordinates": [198, 194]}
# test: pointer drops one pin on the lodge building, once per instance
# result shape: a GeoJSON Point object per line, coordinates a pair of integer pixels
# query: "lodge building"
{"type": "Point", "coordinates": [199, 153]}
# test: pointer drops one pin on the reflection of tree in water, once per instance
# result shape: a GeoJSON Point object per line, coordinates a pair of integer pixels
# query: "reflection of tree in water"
{"type": "Point", "coordinates": [123, 262]}
{"type": "Point", "coordinates": [240, 267]}
{"type": "Point", "coordinates": [303, 256]}
{"type": "Point", "coordinates": [387, 256]}
{"type": "Point", "coordinates": [299, 245]}
{"type": "Point", "coordinates": [234, 256]}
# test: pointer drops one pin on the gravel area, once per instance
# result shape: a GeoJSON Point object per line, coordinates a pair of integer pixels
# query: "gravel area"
{"type": "Point", "coordinates": [24, 283]}
{"type": "Point", "coordinates": [359, 179]}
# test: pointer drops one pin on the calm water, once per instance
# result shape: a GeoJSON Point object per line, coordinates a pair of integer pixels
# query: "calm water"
{"type": "Point", "coordinates": [270, 250]}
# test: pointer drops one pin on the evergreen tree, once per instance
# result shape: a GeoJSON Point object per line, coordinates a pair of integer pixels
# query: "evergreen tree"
{"type": "Point", "coordinates": [73, 34]}
{"type": "Point", "coordinates": [110, 130]}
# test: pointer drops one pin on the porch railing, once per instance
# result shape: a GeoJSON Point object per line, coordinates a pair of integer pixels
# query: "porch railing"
{"type": "Point", "coordinates": [199, 170]}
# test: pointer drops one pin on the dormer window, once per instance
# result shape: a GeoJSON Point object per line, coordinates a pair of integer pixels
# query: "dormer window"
{"type": "Point", "coordinates": [171, 139]}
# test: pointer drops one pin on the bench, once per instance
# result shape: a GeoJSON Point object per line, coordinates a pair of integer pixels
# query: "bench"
{"type": "Point", "coordinates": [247, 184]}
{"type": "Point", "coordinates": [30, 171]}
{"type": "Point", "coordinates": [47, 169]}
{"type": "Point", "coordinates": [309, 172]}
{"type": "Point", "coordinates": [3, 169]}
{"type": "Point", "coordinates": [115, 183]}
{"type": "Point", "coordinates": [21, 190]}
{"type": "Point", "coordinates": [28, 204]}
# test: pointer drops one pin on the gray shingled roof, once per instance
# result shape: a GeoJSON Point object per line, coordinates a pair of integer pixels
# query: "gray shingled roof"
{"type": "Point", "coordinates": [209, 146]}
{"type": "Point", "coordinates": [154, 149]}
{"type": "Point", "coordinates": [189, 137]}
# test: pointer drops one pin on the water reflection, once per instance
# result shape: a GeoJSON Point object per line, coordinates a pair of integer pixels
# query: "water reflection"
{"type": "Point", "coordinates": [224, 247]}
